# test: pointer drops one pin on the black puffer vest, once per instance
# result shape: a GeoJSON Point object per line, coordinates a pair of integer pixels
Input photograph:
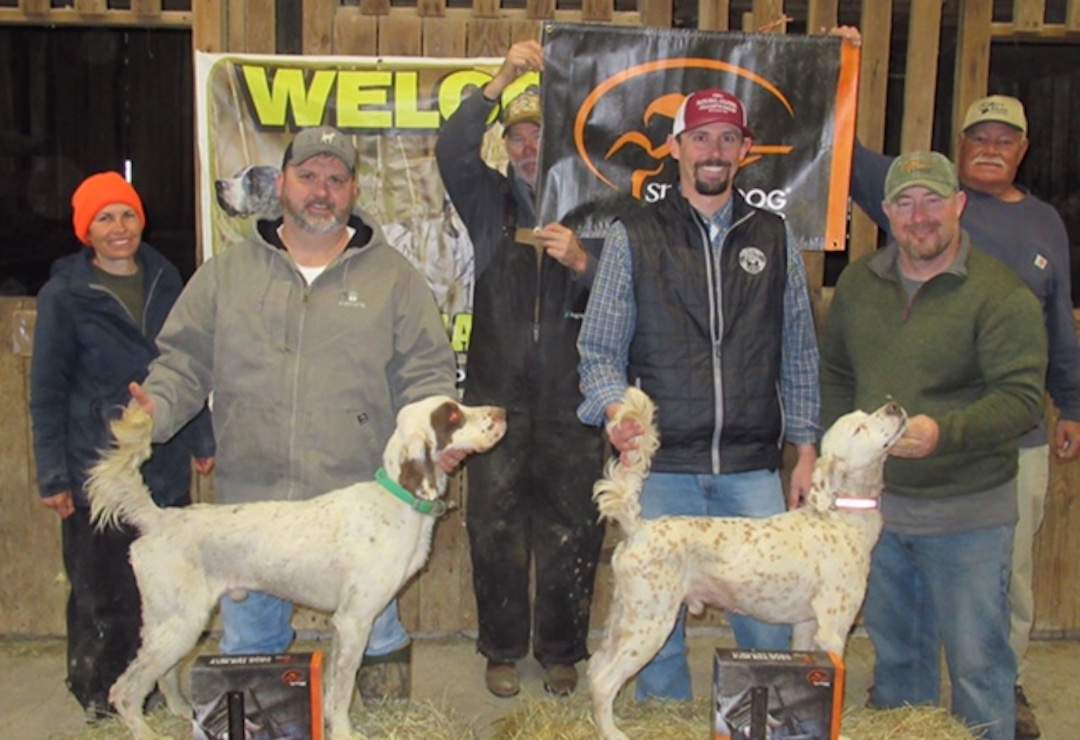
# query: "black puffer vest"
{"type": "Point", "coordinates": [712, 366]}
{"type": "Point", "coordinates": [527, 311]}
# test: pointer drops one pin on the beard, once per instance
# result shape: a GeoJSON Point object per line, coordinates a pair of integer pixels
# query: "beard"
{"type": "Point", "coordinates": [720, 186]}
{"type": "Point", "coordinates": [312, 224]}
{"type": "Point", "coordinates": [925, 244]}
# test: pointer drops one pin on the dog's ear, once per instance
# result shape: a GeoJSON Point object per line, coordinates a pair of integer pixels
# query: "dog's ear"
{"type": "Point", "coordinates": [826, 481]}
{"type": "Point", "coordinates": [418, 472]}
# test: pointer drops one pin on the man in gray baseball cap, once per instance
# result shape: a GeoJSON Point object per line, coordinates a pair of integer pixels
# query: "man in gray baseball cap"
{"type": "Point", "coordinates": [313, 333]}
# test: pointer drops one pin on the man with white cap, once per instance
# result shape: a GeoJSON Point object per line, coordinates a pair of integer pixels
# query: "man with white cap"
{"type": "Point", "coordinates": [699, 301]}
{"type": "Point", "coordinates": [1028, 235]}
{"type": "Point", "coordinates": [955, 338]}
{"type": "Point", "coordinates": [312, 335]}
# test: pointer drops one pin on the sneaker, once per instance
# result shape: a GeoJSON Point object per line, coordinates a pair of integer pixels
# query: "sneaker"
{"type": "Point", "coordinates": [560, 679]}
{"type": "Point", "coordinates": [501, 678]}
{"type": "Point", "coordinates": [1026, 726]}
{"type": "Point", "coordinates": [383, 678]}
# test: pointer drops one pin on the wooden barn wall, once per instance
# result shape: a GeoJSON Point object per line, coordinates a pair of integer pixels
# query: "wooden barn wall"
{"type": "Point", "coordinates": [440, 599]}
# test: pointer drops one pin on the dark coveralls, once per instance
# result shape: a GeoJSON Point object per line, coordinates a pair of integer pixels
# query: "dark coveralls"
{"type": "Point", "coordinates": [87, 349]}
{"type": "Point", "coordinates": [531, 496]}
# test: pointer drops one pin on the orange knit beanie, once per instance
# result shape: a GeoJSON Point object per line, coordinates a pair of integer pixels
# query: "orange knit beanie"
{"type": "Point", "coordinates": [96, 192]}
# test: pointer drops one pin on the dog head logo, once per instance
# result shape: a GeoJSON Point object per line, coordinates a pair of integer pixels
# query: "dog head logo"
{"type": "Point", "coordinates": [636, 142]}
{"type": "Point", "coordinates": [752, 260]}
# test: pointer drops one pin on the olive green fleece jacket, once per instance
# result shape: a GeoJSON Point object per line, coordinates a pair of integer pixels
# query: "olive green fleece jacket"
{"type": "Point", "coordinates": [968, 350]}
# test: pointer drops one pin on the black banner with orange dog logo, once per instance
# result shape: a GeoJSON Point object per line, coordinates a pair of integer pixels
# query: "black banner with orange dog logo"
{"type": "Point", "coordinates": [610, 95]}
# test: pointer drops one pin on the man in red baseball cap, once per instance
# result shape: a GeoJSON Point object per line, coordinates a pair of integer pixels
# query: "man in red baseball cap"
{"type": "Point", "coordinates": [698, 300]}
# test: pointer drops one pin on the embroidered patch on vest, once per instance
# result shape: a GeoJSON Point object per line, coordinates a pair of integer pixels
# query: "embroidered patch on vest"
{"type": "Point", "coordinates": [752, 260]}
{"type": "Point", "coordinates": [1041, 262]}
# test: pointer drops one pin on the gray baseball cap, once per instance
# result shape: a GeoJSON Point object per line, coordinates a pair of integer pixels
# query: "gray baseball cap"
{"type": "Point", "coordinates": [311, 142]}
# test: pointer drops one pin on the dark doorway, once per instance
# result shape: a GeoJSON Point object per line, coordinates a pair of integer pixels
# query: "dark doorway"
{"type": "Point", "coordinates": [74, 101]}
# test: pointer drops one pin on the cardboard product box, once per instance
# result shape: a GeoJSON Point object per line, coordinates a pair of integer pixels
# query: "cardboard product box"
{"type": "Point", "coordinates": [275, 697]}
{"type": "Point", "coordinates": [774, 695]}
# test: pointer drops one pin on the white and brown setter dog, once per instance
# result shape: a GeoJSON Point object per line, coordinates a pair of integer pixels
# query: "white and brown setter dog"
{"type": "Point", "coordinates": [347, 552]}
{"type": "Point", "coordinates": [807, 567]}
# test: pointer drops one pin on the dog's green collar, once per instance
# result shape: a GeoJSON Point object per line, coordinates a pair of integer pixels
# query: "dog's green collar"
{"type": "Point", "coordinates": [432, 508]}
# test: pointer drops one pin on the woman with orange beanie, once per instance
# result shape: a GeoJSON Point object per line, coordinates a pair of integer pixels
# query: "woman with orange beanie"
{"type": "Point", "coordinates": [98, 316]}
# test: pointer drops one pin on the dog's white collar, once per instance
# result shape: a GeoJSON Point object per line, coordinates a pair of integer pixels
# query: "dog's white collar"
{"type": "Point", "coordinates": [432, 508]}
{"type": "Point", "coordinates": [857, 502]}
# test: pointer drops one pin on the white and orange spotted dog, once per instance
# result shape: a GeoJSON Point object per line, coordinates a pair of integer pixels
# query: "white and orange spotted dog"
{"type": "Point", "coordinates": [347, 552]}
{"type": "Point", "coordinates": [807, 567]}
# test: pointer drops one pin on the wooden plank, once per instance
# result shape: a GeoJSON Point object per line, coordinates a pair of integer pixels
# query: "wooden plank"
{"type": "Point", "coordinates": [208, 29]}
{"type": "Point", "coordinates": [1072, 16]}
{"type": "Point", "coordinates": [1049, 32]}
{"type": "Point", "coordinates": [485, 8]}
{"type": "Point", "coordinates": [260, 28]}
{"type": "Point", "coordinates": [318, 34]}
{"type": "Point", "coordinates": [920, 78]}
{"type": "Point", "coordinates": [170, 19]}
{"type": "Point", "coordinates": [354, 33]}
{"type": "Point", "coordinates": [375, 7]}
{"type": "Point", "coordinates": [444, 37]}
{"type": "Point", "coordinates": [972, 70]}
{"type": "Point", "coordinates": [431, 8]}
{"type": "Point", "coordinates": [1057, 607]}
{"type": "Point", "coordinates": [30, 562]}
{"type": "Point", "coordinates": [236, 25]}
{"type": "Point", "coordinates": [400, 36]}
{"type": "Point", "coordinates": [769, 16]}
{"type": "Point", "coordinates": [487, 38]}
{"type": "Point", "coordinates": [597, 10]}
{"type": "Point", "coordinates": [655, 13]}
{"type": "Point", "coordinates": [146, 7]}
{"type": "Point", "coordinates": [713, 14]}
{"type": "Point", "coordinates": [1028, 15]}
{"type": "Point", "coordinates": [91, 7]}
{"type": "Point", "coordinates": [822, 16]}
{"type": "Point", "coordinates": [35, 7]}
{"type": "Point", "coordinates": [876, 25]}
{"type": "Point", "coordinates": [540, 9]}
{"type": "Point", "coordinates": [522, 30]}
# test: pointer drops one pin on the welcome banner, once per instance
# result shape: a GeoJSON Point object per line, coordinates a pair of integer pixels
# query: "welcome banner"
{"type": "Point", "coordinates": [616, 91]}
{"type": "Point", "coordinates": [250, 106]}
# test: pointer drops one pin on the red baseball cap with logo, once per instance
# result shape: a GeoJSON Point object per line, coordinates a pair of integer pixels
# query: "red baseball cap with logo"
{"type": "Point", "coordinates": [711, 105]}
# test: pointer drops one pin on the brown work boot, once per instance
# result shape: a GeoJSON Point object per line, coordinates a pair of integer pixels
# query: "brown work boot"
{"type": "Point", "coordinates": [502, 678]}
{"type": "Point", "coordinates": [560, 679]}
{"type": "Point", "coordinates": [386, 677]}
{"type": "Point", "coordinates": [1026, 726]}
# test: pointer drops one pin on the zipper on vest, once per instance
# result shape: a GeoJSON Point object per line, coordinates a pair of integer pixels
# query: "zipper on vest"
{"type": "Point", "coordinates": [716, 333]}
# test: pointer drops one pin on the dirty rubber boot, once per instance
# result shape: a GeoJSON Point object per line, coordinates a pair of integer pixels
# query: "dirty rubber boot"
{"type": "Point", "coordinates": [560, 679]}
{"type": "Point", "coordinates": [386, 678]}
{"type": "Point", "coordinates": [1026, 726]}
{"type": "Point", "coordinates": [501, 678]}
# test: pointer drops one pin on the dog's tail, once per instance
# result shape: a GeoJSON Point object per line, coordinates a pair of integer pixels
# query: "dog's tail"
{"type": "Point", "coordinates": [115, 487]}
{"type": "Point", "coordinates": [618, 493]}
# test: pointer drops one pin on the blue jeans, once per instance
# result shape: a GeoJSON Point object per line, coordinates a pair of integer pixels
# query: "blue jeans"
{"type": "Point", "coordinates": [951, 590]}
{"type": "Point", "coordinates": [755, 494]}
{"type": "Point", "coordinates": [260, 624]}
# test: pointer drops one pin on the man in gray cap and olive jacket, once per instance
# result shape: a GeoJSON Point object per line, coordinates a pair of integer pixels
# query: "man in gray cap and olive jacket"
{"type": "Point", "coordinates": [311, 335]}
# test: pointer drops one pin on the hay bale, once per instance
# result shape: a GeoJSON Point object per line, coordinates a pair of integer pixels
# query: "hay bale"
{"type": "Point", "coordinates": [377, 722]}
{"type": "Point", "coordinates": [570, 719]}
{"type": "Point", "coordinates": [906, 723]}
{"type": "Point", "coordinates": [405, 721]}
